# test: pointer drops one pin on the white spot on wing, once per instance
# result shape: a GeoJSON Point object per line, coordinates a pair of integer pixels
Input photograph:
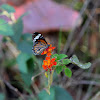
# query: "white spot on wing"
{"type": "Point", "coordinates": [37, 37]}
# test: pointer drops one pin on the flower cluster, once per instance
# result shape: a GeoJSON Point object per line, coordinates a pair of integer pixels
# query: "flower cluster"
{"type": "Point", "coordinates": [48, 62]}
{"type": "Point", "coordinates": [48, 50]}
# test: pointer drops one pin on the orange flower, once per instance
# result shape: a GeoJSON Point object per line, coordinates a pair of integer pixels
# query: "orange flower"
{"type": "Point", "coordinates": [48, 50]}
{"type": "Point", "coordinates": [48, 63]}
{"type": "Point", "coordinates": [47, 58]}
{"type": "Point", "coordinates": [49, 54]}
{"type": "Point", "coordinates": [44, 67]}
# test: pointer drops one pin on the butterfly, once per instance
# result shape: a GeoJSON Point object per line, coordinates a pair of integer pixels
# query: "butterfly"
{"type": "Point", "coordinates": [39, 43]}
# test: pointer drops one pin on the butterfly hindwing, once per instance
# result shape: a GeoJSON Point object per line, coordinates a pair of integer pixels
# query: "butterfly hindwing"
{"type": "Point", "coordinates": [39, 43]}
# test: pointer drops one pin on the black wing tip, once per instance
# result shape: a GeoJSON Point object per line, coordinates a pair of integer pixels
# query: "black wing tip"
{"type": "Point", "coordinates": [36, 33]}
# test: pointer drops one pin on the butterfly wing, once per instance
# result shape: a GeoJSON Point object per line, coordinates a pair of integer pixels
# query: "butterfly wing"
{"type": "Point", "coordinates": [39, 43]}
{"type": "Point", "coordinates": [37, 36]}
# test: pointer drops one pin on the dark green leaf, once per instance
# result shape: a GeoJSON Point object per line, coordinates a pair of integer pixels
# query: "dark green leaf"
{"type": "Point", "coordinates": [8, 8]}
{"type": "Point", "coordinates": [43, 95]}
{"type": "Point", "coordinates": [62, 94]}
{"type": "Point", "coordinates": [75, 61]}
{"type": "Point", "coordinates": [68, 72]}
{"type": "Point", "coordinates": [25, 47]}
{"type": "Point", "coordinates": [5, 28]}
{"type": "Point", "coordinates": [57, 93]}
{"type": "Point", "coordinates": [27, 78]}
{"type": "Point", "coordinates": [31, 66]}
{"type": "Point", "coordinates": [31, 98]}
{"type": "Point", "coordinates": [59, 69]}
{"type": "Point", "coordinates": [27, 37]}
{"type": "Point", "coordinates": [61, 56]}
{"type": "Point", "coordinates": [2, 96]}
{"type": "Point", "coordinates": [66, 61]}
{"type": "Point", "coordinates": [18, 29]}
{"type": "Point", "coordinates": [21, 60]}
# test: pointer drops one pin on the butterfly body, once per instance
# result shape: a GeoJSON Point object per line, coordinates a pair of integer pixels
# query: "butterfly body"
{"type": "Point", "coordinates": [39, 43]}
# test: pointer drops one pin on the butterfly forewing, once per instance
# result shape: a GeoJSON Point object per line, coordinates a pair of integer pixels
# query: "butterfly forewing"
{"type": "Point", "coordinates": [39, 43]}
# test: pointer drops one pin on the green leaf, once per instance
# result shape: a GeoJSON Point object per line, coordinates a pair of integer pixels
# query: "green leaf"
{"type": "Point", "coordinates": [57, 93]}
{"type": "Point", "coordinates": [8, 8]}
{"type": "Point", "coordinates": [27, 37]}
{"type": "Point", "coordinates": [59, 69]}
{"type": "Point", "coordinates": [66, 61]}
{"type": "Point", "coordinates": [25, 47]}
{"type": "Point", "coordinates": [18, 29]}
{"type": "Point", "coordinates": [68, 72]}
{"type": "Point", "coordinates": [5, 28]}
{"type": "Point", "coordinates": [58, 63]}
{"type": "Point", "coordinates": [21, 60]}
{"type": "Point", "coordinates": [75, 61]}
{"type": "Point", "coordinates": [2, 96]}
{"type": "Point", "coordinates": [55, 55]}
{"type": "Point", "coordinates": [61, 56]}
{"type": "Point", "coordinates": [84, 66]}
{"type": "Point", "coordinates": [31, 65]}
{"type": "Point", "coordinates": [64, 66]}
{"type": "Point", "coordinates": [61, 94]}
{"type": "Point", "coordinates": [43, 95]}
{"type": "Point", "coordinates": [26, 77]}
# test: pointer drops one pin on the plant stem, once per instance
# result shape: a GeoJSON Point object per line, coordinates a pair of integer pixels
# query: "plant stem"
{"type": "Point", "coordinates": [50, 79]}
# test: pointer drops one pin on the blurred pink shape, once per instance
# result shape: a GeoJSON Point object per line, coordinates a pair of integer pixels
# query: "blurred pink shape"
{"type": "Point", "coordinates": [46, 15]}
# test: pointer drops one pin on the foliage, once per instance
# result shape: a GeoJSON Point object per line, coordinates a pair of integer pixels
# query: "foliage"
{"type": "Point", "coordinates": [5, 28]}
{"type": "Point", "coordinates": [22, 62]}
{"type": "Point", "coordinates": [2, 96]}
{"type": "Point", "coordinates": [7, 8]}
{"type": "Point", "coordinates": [57, 93]}
{"type": "Point", "coordinates": [75, 60]}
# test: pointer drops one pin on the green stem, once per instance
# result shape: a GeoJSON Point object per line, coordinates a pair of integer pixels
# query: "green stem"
{"type": "Point", "coordinates": [50, 79]}
{"type": "Point", "coordinates": [59, 41]}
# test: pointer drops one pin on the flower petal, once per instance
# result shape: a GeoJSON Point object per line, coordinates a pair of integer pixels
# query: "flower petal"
{"type": "Point", "coordinates": [47, 58]}
{"type": "Point", "coordinates": [49, 54]}
{"type": "Point", "coordinates": [49, 61]}
{"type": "Point", "coordinates": [44, 67]}
{"type": "Point", "coordinates": [50, 66]}
{"type": "Point", "coordinates": [45, 62]}
{"type": "Point", "coordinates": [55, 63]}
{"type": "Point", "coordinates": [53, 59]}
